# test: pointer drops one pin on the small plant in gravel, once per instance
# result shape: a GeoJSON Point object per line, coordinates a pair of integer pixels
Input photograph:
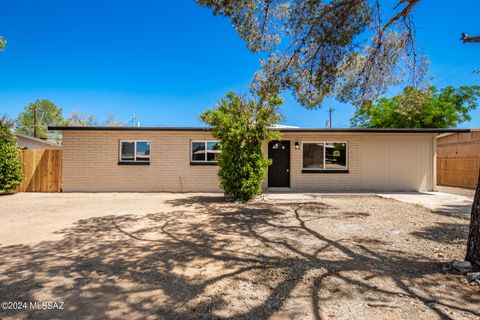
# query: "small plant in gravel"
{"type": "Point", "coordinates": [242, 126]}
{"type": "Point", "coordinates": [10, 166]}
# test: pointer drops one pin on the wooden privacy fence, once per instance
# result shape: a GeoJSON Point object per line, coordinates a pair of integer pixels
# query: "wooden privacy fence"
{"type": "Point", "coordinates": [458, 159]}
{"type": "Point", "coordinates": [42, 170]}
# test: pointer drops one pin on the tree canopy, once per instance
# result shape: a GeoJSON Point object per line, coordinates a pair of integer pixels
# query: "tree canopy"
{"type": "Point", "coordinates": [350, 49]}
{"type": "Point", "coordinates": [112, 121]}
{"type": "Point", "coordinates": [242, 126]}
{"type": "Point", "coordinates": [3, 42]}
{"type": "Point", "coordinates": [417, 108]}
{"type": "Point", "coordinates": [78, 119]}
{"type": "Point", "coordinates": [37, 116]}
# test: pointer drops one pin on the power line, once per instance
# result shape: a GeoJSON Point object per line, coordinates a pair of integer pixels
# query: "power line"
{"type": "Point", "coordinates": [455, 74]}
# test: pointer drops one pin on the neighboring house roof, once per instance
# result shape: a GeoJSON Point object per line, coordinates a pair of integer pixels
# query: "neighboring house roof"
{"type": "Point", "coordinates": [446, 134]}
{"type": "Point", "coordinates": [36, 141]}
{"type": "Point", "coordinates": [281, 129]}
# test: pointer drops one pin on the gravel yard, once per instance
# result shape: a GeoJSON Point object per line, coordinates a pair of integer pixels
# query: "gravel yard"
{"type": "Point", "coordinates": [189, 256]}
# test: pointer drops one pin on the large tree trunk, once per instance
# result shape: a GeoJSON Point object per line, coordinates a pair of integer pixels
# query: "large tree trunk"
{"type": "Point", "coordinates": [473, 244]}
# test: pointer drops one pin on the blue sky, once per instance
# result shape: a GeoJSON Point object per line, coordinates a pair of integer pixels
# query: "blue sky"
{"type": "Point", "coordinates": [167, 61]}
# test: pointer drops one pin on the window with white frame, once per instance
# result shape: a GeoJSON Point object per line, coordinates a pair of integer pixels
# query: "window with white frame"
{"type": "Point", "coordinates": [134, 151]}
{"type": "Point", "coordinates": [205, 151]}
{"type": "Point", "coordinates": [324, 156]}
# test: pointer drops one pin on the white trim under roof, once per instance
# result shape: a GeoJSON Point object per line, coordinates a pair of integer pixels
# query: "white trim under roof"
{"type": "Point", "coordinates": [282, 126]}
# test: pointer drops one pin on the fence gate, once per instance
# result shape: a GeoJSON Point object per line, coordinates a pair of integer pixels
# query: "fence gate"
{"type": "Point", "coordinates": [458, 159]}
{"type": "Point", "coordinates": [42, 170]}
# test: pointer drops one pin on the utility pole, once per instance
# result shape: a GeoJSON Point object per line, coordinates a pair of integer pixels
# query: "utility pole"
{"type": "Point", "coordinates": [330, 112]}
{"type": "Point", "coordinates": [35, 121]}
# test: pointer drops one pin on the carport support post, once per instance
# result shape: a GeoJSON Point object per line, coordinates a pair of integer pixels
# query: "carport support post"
{"type": "Point", "coordinates": [473, 244]}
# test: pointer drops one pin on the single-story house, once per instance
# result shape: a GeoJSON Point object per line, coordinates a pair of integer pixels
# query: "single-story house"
{"type": "Point", "coordinates": [175, 159]}
{"type": "Point", "coordinates": [25, 141]}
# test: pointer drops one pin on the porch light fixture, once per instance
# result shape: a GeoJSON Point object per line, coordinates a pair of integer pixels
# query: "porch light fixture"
{"type": "Point", "coordinates": [297, 145]}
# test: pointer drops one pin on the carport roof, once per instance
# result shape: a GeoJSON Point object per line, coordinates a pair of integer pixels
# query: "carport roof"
{"type": "Point", "coordinates": [281, 129]}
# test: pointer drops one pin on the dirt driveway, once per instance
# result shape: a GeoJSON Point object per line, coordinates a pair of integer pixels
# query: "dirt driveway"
{"type": "Point", "coordinates": [189, 256]}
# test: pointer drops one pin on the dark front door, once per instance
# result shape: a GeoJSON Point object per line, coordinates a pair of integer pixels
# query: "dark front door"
{"type": "Point", "coordinates": [279, 170]}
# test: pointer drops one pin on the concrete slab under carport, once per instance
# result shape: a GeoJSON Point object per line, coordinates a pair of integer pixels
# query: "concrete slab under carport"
{"type": "Point", "coordinates": [441, 202]}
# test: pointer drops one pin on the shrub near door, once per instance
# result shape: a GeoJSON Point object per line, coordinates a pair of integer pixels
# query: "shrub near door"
{"type": "Point", "coordinates": [242, 126]}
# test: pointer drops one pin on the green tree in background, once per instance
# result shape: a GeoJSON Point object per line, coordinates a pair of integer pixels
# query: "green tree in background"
{"type": "Point", "coordinates": [416, 108]}
{"type": "Point", "coordinates": [242, 126]}
{"type": "Point", "coordinates": [3, 42]}
{"type": "Point", "coordinates": [37, 116]}
{"type": "Point", "coordinates": [10, 166]}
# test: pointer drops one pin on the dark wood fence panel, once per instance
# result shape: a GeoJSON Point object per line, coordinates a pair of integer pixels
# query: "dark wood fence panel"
{"type": "Point", "coordinates": [42, 170]}
{"type": "Point", "coordinates": [458, 159]}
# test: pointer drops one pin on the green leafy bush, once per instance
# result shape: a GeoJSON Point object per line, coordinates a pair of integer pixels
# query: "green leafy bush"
{"type": "Point", "coordinates": [242, 126]}
{"type": "Point", "coordinates": [10, 166]}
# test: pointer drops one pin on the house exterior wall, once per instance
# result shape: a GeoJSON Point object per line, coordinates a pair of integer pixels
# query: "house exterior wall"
{"type": "Point", "coordinates": [376, 162]}
{"type": "Point", "coordinates": [90, 163]}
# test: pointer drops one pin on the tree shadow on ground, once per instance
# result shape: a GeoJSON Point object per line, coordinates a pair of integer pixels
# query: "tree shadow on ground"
{"type": "Point", "coordinates": [211, 258]}
{"type": "Point", "coordinates": [447, 233]}
{"type": "Point", "coordinates": [460, 211]}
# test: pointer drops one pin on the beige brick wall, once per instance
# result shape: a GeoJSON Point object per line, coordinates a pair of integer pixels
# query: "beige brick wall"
{"type": "Point", "coordinates": [376, 162]}
{"type": "Point", "coordinates": [325, 181]}
{"type": "Point", "coordinates": [399, 163]}
{"type": "Point", "coordinates": [395, 162]}
{"type": "Point", "coordinates": [90, 163]}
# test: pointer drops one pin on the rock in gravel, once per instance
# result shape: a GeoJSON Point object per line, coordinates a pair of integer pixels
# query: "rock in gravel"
{"type": "Point", "coordinates": [447, 268]}
{"type": "Point", "coordinates": [462, 266]}
{"type": "Point", "coordinates": [473, 276]}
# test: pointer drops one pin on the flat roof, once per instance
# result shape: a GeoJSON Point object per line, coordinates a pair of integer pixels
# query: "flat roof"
{"type": "Point", "coordinates": [281, 129]}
